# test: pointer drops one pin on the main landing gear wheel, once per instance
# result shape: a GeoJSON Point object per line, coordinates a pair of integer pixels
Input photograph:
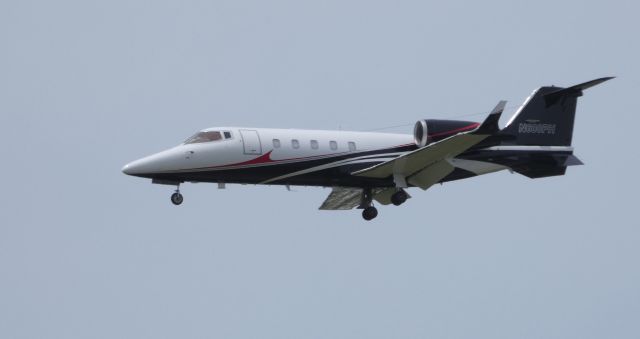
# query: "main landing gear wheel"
{"type": "Point", "coordinates": [399, 197]}
{"type": "Point", "coordinates": [176, 198]}
{"type": "Point", "coordinates": [369, 213]}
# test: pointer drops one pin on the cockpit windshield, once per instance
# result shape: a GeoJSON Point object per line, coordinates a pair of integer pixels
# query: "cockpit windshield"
{"type": "Point", "coordinates": [204, 137]}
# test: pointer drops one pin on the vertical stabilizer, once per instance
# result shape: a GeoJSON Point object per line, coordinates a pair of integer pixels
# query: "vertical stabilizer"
{"type": "Point", "coordinates": [547, 116]}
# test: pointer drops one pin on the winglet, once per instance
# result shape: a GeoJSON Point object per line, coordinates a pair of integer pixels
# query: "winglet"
{"type": "Point", "coordinates": [490, 124]}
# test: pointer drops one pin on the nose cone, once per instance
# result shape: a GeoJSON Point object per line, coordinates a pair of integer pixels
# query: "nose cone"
{"type": "Point", "coordinates": [157, 163]}
{"type": "Point", "coordinates": [131, 168]}
{"type": "Point", "coordinates": [138, 167]}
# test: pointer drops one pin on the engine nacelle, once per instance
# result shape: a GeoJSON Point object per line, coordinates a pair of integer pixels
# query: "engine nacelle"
{"type": "Point", "coordinates": [431, 130]}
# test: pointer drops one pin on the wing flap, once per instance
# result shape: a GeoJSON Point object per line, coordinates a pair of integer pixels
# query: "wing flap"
{"type": "Point", "coordinates": [431, 175]}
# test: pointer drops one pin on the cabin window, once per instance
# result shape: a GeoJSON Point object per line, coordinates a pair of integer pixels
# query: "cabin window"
{"type": "Point", "coordinates": [352, 146]}
{"type": "Point", "coordinates": [276, 143]}
{"type": "Point", "coordinates": [227, 135]}
{"type": "Point", "coordinates": [295, 143]}
{"type": "Point", "coordinates": [314, 144]}
{"type": "Point", "coordinates": [204, 137]}
{"type": "Point", "coordinates": [333, 145]}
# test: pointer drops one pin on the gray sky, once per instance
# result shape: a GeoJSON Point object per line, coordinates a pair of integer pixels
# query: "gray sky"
{"type": "Point", "coordinates": [87, 252]}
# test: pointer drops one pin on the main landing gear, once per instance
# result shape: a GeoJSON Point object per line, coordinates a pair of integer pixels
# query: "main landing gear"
{"type": "Point", "coordinates": [176, 197]}
{"type": "Point", "coordinates": [369, 212]}
{"type": "Point", "coordinates": [399, 197]}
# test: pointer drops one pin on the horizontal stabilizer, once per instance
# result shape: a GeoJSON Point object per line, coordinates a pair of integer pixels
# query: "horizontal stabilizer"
{"type": "Point", "coordinates": [573, 91]}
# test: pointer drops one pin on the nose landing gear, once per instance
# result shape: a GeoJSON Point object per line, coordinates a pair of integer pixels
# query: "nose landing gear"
{"type": "Point", "coordinates": [176, 197]}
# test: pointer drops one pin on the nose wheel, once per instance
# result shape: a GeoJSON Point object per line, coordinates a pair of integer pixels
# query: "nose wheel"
{"type": "Point", "coordinates": [176, 198]}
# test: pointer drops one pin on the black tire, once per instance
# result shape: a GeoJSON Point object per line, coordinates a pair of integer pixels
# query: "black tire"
{"type": "Point", "coordinates": [369, 213]}
{"type": "Point", "coordinates": [176, 198]}
{"type": "Point", "coordinates": [399, 198]}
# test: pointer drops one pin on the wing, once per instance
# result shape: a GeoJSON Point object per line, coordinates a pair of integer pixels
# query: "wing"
{"type": "Point", "coordinates": [430, 164]}
{"type": "Point", "coordinates": [342, 198]}
{"type": "Point", "coordinates": [346, 198]}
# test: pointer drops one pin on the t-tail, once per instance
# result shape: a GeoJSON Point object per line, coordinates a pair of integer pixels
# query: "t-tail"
{"type": "Point", "coordinates": [546, 119]}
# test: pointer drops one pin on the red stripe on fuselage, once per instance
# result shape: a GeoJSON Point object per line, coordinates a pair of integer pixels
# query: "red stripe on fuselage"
{"type": "Point", "coordinates": [461, 129]}
{"type": "Point", "coordinates": [266, 159]}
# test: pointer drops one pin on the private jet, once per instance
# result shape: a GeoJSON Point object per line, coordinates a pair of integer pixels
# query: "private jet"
{"type": "Point", "coordinates": [363, 167]}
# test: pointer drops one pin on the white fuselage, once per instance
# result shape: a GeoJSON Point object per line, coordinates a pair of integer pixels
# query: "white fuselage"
{"type": "Point", "coordinates": [241, 148]}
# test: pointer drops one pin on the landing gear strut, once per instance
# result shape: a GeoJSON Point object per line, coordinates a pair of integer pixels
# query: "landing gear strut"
{"type": "Point", "coordinates": [399, 197]}
{"type": "Point", "coordinates": [369, 212]}
{"type": "Point", "coordinates": [176, 197]}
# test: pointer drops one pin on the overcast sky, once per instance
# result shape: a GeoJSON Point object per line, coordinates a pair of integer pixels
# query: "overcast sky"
{"type": "Point", "coordinates": [87, 252]}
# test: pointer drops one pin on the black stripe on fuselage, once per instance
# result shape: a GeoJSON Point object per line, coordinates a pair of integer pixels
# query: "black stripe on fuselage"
{"type": "Point", "coordinates": [338, 175]}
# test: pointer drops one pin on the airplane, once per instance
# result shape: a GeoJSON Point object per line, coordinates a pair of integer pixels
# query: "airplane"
{"type": "Point", "coordinates": [363, 167]}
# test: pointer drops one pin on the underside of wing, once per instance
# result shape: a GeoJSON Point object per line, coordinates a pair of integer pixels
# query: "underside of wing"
{"type": "Point", "coordinates": [342, 198]}
{"type": "Point", "coordinates": [346, 198]}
